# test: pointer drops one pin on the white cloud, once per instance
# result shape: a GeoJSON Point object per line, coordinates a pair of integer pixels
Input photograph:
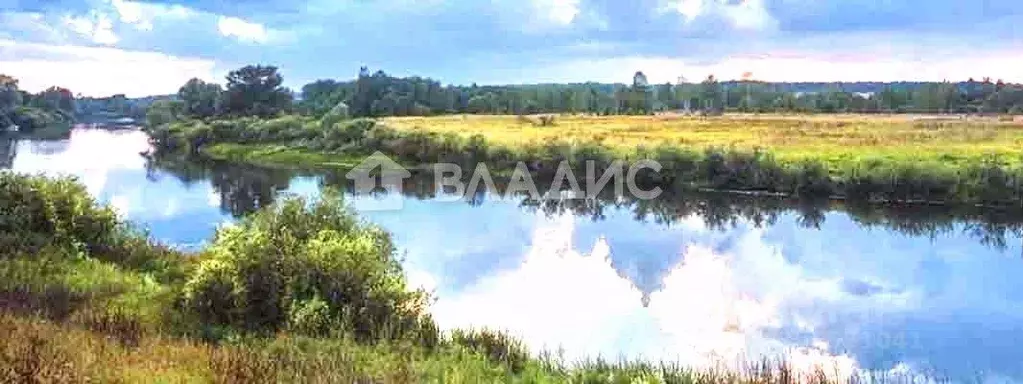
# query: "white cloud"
{"type": "Point", "coordinates": [242, 30]}
{"type": "Point", "coordinates": [96, 27]}
{"type": "Point", "coordinates": [99, 71]}
{"type": "Point", "coordinates": [142, 15]}
{"type": "Point", "coordinates": [131, 13]}
{"type": "Point", "coordinates": [561, 12]}
{"type": "Point", "coordinates": [749, 15]}
{"type": "Point", "coordinates": [743, 15]}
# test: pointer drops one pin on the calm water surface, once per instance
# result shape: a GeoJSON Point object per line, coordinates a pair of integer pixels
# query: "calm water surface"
{"type": "Point", "coordinates": [812, 288]}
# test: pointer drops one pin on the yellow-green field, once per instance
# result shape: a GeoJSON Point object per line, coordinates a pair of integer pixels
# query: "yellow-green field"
{"type": "Point", "coordinates": [832, 138]}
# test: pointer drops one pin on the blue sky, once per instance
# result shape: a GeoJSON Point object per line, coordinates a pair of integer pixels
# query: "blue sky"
{"type": "Point", "coordinates": [100, 47]}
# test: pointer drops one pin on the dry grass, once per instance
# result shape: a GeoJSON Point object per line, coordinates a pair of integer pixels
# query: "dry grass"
{"type": "Point", "coordinates": [832, 138]}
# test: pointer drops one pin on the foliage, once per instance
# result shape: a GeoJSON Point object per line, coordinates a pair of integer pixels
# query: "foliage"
{"type": "Point", "coordinates": [54, 99]}
{"type": "Point", "coordinates": [163, 112]}
{"type": "Point", "coordinates": [339, 113]}
{"type": "Point", "coordinates": [255, 90]}
{"type": "Point", "coordinates": [53, 107]}
{"type": "Point", "coordinates": [376, 94]}
{"type": "Point", "coordinates": [305, 268]}
{"type": "Point", "coordinates": [200, 99]}
{"type": "Point", "coordinates": [38, 213]}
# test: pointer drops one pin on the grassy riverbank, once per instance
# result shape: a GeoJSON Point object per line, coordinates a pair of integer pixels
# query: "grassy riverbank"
{"type": "Point", "coordinates": [881, 159]}
{"type": "Point", "coordinates": [297, 292]}
{"type": "Point", "coordinates": [280, 156]}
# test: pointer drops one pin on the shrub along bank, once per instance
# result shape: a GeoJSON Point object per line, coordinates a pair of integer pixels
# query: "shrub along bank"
{"type": "Point", "coordinates": [987, 180]}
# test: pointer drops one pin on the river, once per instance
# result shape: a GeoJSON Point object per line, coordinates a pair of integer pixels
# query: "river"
{"type": "Point", "coordinates": [914, 290]}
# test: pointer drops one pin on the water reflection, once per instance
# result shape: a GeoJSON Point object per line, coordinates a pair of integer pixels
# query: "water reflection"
{"type": "Point", "coordinates": [8, 149]}
{"type": "Point", "coordinates": [695, 277]}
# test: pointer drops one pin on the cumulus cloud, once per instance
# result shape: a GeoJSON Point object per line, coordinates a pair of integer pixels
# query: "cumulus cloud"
{"type": "Point", "coordinates": [242, 30]}
{"type": "Point", "coordinates": [96, 27]}
{"type": "Point", "coordinates": [743, 15]}
{"type": "Point", "coordinates": [99, 71]}
{"type": "Point", "coordinates": [562, 12]}
{"type": "Point", "coordinates": [142, 15]}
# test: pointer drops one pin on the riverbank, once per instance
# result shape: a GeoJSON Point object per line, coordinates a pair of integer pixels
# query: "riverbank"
{"type": "Point", "coordinates": [856, 158]}
{"type": "Point", "coordinates": [280, 156]}
{"type": "Point", "coordinates": [83, 296]}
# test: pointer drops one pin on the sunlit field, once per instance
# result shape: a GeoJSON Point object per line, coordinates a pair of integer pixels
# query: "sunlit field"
{"type": "Point", "coordinates": [831, 138]}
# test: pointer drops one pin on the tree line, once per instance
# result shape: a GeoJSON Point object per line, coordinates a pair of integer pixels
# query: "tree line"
{"type": "Point", "coordinates": [257, 90]}
{"type": "Point", "coordinates": [27, 111]}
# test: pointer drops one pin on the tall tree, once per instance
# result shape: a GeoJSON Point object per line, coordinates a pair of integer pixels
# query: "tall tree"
{"type": "Point", "coordinates": [201, 99]}
{"type": "Point", "coordinates": [255, 90]}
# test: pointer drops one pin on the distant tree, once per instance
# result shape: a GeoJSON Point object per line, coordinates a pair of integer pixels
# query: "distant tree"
{"type": "Point", "coordinates": [710, 94]}
{"type": "Point", "coordinates": [163, 112]}
{"type": "Point", "coordinates": [10, 97]}
{"type": "Point", "coordinates": [255, 91]}
{"type": "Point", "coordinates": [665, 96]}
{"type": "Point", "coordinates": [56, 99]}
{"type": "Point", "coordinates": [320, 96]}
{"type": "Point", "coordinates": [200, 98]}
{"type": "Point", "coordinates": [478, 104]}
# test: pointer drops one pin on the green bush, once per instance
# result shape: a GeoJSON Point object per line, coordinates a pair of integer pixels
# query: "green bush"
{"type": "Point", "coordinates": [36, 211]}
{"type": "Point", "coordinates": [164, 112]}
{"type": "Point", "coordinates": [302, 267]}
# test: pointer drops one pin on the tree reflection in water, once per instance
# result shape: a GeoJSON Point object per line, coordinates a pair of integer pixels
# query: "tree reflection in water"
{"type": "Point", "coordinates": [244, 189]}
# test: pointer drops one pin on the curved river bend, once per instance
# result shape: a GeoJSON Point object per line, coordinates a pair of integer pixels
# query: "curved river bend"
{"type": "Point", "coordinates": [820, 287]}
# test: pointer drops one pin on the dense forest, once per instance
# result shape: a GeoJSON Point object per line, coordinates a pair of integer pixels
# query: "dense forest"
{"type": "Point", "coordinates": [258, 90]}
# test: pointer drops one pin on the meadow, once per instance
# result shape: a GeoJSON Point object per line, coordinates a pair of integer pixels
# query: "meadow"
{"type": "Point", "coordinates": [833, 139]}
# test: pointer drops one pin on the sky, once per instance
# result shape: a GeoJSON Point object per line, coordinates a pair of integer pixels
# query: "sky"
{"type": "Point", "coordinates": [104, 47]}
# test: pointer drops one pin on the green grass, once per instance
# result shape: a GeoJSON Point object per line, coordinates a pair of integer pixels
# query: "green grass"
{"type": "Point", "coordinates": [280, 156]}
